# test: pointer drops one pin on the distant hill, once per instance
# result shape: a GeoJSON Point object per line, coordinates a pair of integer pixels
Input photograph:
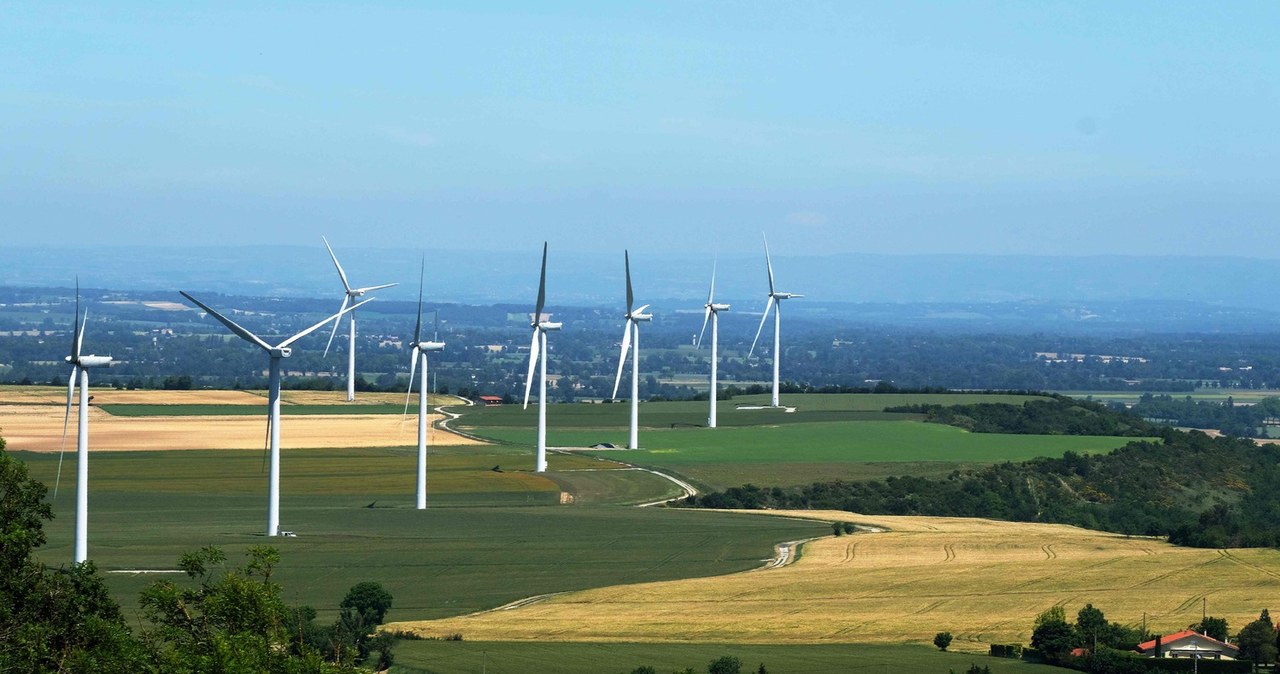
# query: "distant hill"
{"type": "Point", "coordinates": [961, 291]}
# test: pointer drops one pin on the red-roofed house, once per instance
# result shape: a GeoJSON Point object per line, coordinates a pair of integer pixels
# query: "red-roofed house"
{"type": "Point", "coordinates": [1188, 644]}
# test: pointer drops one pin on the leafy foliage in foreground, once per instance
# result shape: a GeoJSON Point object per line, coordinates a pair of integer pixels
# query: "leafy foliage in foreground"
{"type": "Point", "coordinates": [232, 620]}
{"type": "Point", "coordinates": [1196, 490]}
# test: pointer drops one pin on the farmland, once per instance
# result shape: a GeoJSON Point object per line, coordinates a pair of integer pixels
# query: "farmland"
{"type": "Point", "coordinates": [522, 657]}
{"type": "Point", "coordinates": [496, 532]}
{"type": "Point", "coordinates": [846, 436]}
{"type": "Point", "coordinates": [479, 544]}
{"type": "Point", "coordinates": [32, 419]}
{"type": "Point", "coordinates": [982, 580]}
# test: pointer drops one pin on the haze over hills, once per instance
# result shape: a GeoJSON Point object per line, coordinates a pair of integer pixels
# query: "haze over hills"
{"type": "Point", "coordinates": [944, 291]}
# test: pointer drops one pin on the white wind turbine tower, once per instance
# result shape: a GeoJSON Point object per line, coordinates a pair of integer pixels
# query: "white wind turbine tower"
{"type": "Point", "coordinates": [276, 353]}
{"type": "Point", "coordinates": [774, 303]}
{"type": "Point", "coordinates": [538, 355]}
{"type": "Point", "coordinates": [80, 365]}
{"type": "Point", "coordinates": [419, 351]}
{"type": "Point", "coordinates": [351, 294]}
{"type": "Point", "coordinates": [631, 338]}
{"type": "Point", "coordinates": [712, 315]}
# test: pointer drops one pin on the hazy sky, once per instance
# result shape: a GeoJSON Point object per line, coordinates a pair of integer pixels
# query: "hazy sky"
{"type": "Point", "coordinates": [890, 127]}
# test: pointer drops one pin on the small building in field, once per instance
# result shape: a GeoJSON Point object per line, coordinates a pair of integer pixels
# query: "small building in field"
{"type": "Point", "coordinates": [1188, 644]}
{"type": "Point", "coordinates": [490, 401]}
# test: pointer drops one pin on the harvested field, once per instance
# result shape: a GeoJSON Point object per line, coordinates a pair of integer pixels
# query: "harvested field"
{"type": "Point", "coordinates": [38, 428]}
{"type": "Point", "coordinates": [982, 580]}
{"type": "Point", "coordinates": [53, 395]}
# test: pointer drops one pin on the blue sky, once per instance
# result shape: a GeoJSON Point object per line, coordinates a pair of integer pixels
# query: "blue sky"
{"type": "Point", "coordinates": [895, 127]}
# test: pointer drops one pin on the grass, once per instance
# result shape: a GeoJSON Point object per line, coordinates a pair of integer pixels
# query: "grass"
{"type": "Point", "coordinates": [466, 657]}
{"type": "Point", "coordinates": [477, 546]}
{"type": "Point", "coordinates": [982, 580]}
{"type": "Point", "coordinates": [812, 407]}
{"type": "Point", "coordinates": [789, 454]}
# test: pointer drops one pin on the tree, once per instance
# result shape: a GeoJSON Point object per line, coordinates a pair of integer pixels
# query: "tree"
{"type": "Point", "coordinates": [368, 599]}
{"type": "Point", "coordinates": [1052, 635]}
{"type": "Point", "coordinates": [1257, 641]}
{"type": "Point", "coordinates": [725, 664]}
{"type": "Point", "coordinates": [1214, 628]}
{"type": "Point", "coordinates": [1090, 625]}
{"type": "Point", "coordinates": [232, 620]}
{"type": "Point", "coordinates": [942, 640]}
{"type": "Point", "coordinates": [61, 619]}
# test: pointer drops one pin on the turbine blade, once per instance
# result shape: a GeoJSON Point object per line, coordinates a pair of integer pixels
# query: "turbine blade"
{"type": "Point", "coordinates": [417, 328]}
{"type": "Point", "coordinates": [630, 298]}
{"type": "Point", "coordinates": [622, 358]}
{"type": "Point", "coordinates": [84, 323]}
{"type": "Point", "coordinates": [66, 421]}
{"type": "Point", "coordinates": [711, 294]}
{"type": "Point", "coordinates": [542, 287]}
{"type": "Point", "coordinates": [231, 325]}
{"type": "Point", "coordinates": [705, 318]}
{"type": "Point", "coordinates": [435, 337]}
{"type": "Point", "coordinates": [373, 288]}
{"type": "Point", "coordinates": [75, 326]}
{"type": "Point", "coordinates": [768, 263]}
{"type": "Point", "coordinates": [413, 369]}
{"type": "Point", "coordinates": [266, 442]}
{"type": "Point", "coordinates": [321, 324]}
{"type": "Point", "coordinates": [533, 362]}
{"type": "Point", "coordinates": [334, 333]}
{"type": "Point", "coordinates": [341, 274]}
{"type": "Point", "coordinates": [768, 305]}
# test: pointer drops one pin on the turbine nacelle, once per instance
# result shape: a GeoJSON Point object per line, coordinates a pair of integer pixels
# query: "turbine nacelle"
{"type": "Point", "coordinates": [430, 346]}
{"type": "Point", "coordinates": [280, 352]}
{"type": "Point", "coordinates": [90, 361]}
{"type": "Point", "coordinates": [639, 315]}
{"type": "Point", "coordinates": [784, 296]}
{"type": "Point", "coordinates": [549, 327]}
{"type": "Point", "coordinates": [718, 307]}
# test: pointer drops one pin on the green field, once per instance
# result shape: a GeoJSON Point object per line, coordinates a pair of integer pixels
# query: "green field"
{"type": "Point", "coordinates": [466, 657]}
{"type": "Point", "coordinates": [791, 454]}
{"type": "Point", "coordinates": [478, 546]}
{"type": "Point", "coordinates": [136, 410]}
{"type": "Point", "coordinates": [812, 407]}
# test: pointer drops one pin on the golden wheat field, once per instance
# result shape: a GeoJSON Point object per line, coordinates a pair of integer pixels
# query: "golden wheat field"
{"type": "Point", "coordinates": [982, 580]}
{"type": "Point", "coordinates": [56, 395]}
{"type": "Point", "coordinates": [32, 419]}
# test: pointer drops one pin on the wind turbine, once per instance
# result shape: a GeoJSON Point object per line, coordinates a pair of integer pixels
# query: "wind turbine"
{"type": "Point", "coordinates": [351, 294]}
{"type": "Point", "coordinates": [80, 365]}
{"type": "Point", "coordinates": [631, 337]}
{"type": "Point", "coordinates": [276, 353]}
{"type": "Point", "coordinates": [419, 351]}
{"type": "Point", "coordinates": [774, 303]}
{"type": "Point", "coordinates": [712, 315]}
{"type": "Point", "coordinates": [538, 355]}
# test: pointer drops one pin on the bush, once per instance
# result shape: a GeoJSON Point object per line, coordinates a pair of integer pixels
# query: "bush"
{"type": "Point", "coordinates": [942, 640]}
{"type": "Point", "coordinates": [725, 664]}
{"type": "Point", "coordinates": [1006, 650]}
